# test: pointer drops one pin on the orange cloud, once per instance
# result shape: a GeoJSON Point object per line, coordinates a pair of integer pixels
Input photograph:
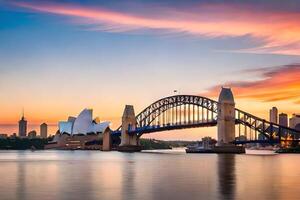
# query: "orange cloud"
{"type": "Point", "coordinates": [277, 32]}
{"type": "Point", "coordinates": [278, 83]}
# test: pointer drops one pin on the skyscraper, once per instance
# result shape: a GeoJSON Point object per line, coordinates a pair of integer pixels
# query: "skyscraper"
{"type": "Point", "coordinates": [283, 119]}
{"type": "Point", "coordinates": [43, 130]}
{"type": "Point", "coordinates": [295, 121]}
{"type": "Point", "coordinates": [274, 115]}
{"type": "Point", "coordinates": [22, 126]}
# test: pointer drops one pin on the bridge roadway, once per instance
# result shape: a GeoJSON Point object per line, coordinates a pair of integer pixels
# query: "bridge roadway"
{"type": "Point", "coordinates": [157, 128]}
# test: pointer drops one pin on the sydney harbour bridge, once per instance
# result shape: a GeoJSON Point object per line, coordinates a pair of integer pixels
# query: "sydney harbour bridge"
{"type": "Point", "coordinates": [188, 111]}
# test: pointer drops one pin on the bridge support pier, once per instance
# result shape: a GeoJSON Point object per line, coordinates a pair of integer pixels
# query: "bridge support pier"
{"type": "Point", "coordinates": [106, 141]}
{"type": "Point", "coordinates": [226, 122]}
{"type": "Point", "coordinates": [129, 141]}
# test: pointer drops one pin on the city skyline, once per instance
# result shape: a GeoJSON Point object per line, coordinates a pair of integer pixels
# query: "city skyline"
{"type": "Point", "coordinates": [59, 58]}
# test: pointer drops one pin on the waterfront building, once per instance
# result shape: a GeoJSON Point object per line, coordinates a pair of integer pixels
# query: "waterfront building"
{"type": "Point", "coordinates": [295, 122]}
{"type": "Point", "coordinates": [82, 132]}
{"type": "Point", "coordinates": [22, 127]}
{"type": "Point", "coordinates": [43, 130]}
{"type": "Point", "coordinates": [283, 119]}
{"type": "Point", "coordinates": [274, 115]}
{"type": "Point", "coordinates": [32, 134]}
{"type": "Point", "coordinates": [73, 142]}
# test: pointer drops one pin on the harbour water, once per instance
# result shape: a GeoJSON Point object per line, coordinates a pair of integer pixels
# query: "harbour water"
{"type": "Point", "coordinates": [170, 174]}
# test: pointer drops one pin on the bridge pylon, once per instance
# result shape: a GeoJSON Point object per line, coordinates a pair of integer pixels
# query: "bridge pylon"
{"type": "Point", "coordinates": [107, 141]}
{"type": "Point", "coordinates": [129, 141]}
{"type": "Point", "coordinates": [226, 117]}
{"type": "Point", "coordinates": [226, 124]}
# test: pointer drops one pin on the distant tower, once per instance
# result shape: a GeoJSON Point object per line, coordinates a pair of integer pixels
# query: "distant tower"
{"type": "Point", "coordinates": [22, 126]}
{"type": "Point", "coordinates": [43, 130]}
{"type": "Point", "coordinates": [226, 117]}
{"type": "Point", "coordinates": [274, 115]}
{"type": "Point", "coordinates": [283, 119]}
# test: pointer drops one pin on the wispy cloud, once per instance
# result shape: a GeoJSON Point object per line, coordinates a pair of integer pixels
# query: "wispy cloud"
{"type": "Point", "coordinates": [276, 32]}
{"type": "Point", "coordinates": [277, 83]}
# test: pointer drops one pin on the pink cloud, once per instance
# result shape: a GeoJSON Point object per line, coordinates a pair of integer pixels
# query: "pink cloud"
{"type": "Point", "coordinates": [278, 83]}
{"type": "Point", "coordinates": [278, 32]}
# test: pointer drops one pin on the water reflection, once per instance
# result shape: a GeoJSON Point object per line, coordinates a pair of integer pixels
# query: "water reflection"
{"type": "Point", "coordinates": [96, 175]}
{"type": "Point", "coordinates": [21, 177]}
{"type": "Point", "coordinates": [128, 176]}
{"type": "Point", "coordinates": [20, 181]}
{"type": "Point", "coordinates": [227, 176]}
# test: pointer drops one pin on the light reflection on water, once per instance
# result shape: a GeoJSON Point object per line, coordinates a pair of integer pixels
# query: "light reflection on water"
{"type": "Point", "coordinates": [148, 175]}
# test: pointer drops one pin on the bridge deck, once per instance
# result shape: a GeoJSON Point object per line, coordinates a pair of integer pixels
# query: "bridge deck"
{"type": "Point", "coordinates": [151, 129]}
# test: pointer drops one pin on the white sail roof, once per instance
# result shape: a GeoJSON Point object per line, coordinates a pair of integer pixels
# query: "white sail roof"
{"type": "Point", "coordinates": [65, 127]}
{"type": "Point", "coordinates": [83, 124]}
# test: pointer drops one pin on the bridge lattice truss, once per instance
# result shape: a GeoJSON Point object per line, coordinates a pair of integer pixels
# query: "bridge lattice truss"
{"type": "Point", "coordinates": [188, 111]}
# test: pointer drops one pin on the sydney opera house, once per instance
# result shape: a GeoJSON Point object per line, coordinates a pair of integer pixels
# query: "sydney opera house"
{"type": "Point", "coordinates": [82, 132]}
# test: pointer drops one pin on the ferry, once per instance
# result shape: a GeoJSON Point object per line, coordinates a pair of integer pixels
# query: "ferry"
{"type": "Point", "coordinates": [208, 147]}
{"type": "Point", "coordinates": [198, 148]}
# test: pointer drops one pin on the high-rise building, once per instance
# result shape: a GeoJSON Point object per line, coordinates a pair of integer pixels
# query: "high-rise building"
{"type": "Point", "coordinates": [22, 127]}
{"type": "Point", "coordinates": [43, 130]}
{"type": "Point", "coordinates": [274, 115]}
{"type": "Point", "coordinates": [295, 121]}
{"type": "Point", "coordinates": [283, 119]}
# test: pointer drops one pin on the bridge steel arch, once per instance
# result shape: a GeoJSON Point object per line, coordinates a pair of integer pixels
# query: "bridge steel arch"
{"type": "Point", "coordinates": [190, 111]}
{"type": "Point", "coordinates": [176, 112]}
{"type": "Point", "coordinates": [149, 114]}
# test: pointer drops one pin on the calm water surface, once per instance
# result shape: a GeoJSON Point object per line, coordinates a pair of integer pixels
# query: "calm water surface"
{"type": "Point", "coordinates": [147, 175]}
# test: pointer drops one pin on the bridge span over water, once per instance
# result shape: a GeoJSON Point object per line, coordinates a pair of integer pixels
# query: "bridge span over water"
{"type": "Point", "coordinates": [190, 111]}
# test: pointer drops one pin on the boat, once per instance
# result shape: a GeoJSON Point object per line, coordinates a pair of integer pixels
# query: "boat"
{"type": "Point", "coordinates": [208, 145]}
{"type": "Point", "coordinates": [204, 148]}
{"type": "Point", "coordinates": [198, 148]}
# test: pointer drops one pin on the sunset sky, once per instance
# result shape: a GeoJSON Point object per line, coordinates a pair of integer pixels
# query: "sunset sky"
{"type": "Point", "coordinates": [59, 57]}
